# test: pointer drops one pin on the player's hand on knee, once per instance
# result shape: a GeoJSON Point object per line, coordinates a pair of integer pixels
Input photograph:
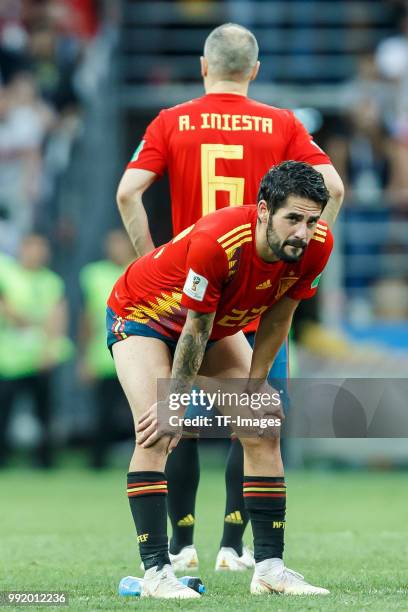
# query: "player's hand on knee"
{"type": "Point", "coordinates": [276, 413]}
{"type": "Point", "coordinates": [266, 409]}
{"type": "Point", "coordinates": [271, 420]}
{"type": "Point", "coordinates": [146, 426]}
{"type": "Point", "coordinates": [266, 401]}
{"type": "Point", "coordinates": [155, 424]}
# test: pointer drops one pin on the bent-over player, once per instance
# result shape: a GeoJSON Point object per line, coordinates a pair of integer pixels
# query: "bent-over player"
{"type": "Point", "coordinates": [179, 311]}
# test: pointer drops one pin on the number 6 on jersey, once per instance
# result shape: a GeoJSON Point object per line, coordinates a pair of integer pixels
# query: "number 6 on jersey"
{"type": "Point", "coordinates": [211, 183]}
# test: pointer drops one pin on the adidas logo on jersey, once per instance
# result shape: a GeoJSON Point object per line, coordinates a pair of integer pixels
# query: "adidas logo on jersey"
{"type": "Point", "coordinates": [235, 518]}
{"type": "Point", "coordinates": [264, 285]}
{"type": "Point", "coordinates": [187, 521]}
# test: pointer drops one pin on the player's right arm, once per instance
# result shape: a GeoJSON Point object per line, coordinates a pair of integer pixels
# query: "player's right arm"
{"type": "Point", "coordinates": [129, 196]}
{"type": "Point", "coordinates": [187, 361]}
{"type": "Point", "coordinates": [149, 161]}
{"type": "Point", "coordinates": [206, 271]}
{"type": "Point", "coordinates": [190, 350]}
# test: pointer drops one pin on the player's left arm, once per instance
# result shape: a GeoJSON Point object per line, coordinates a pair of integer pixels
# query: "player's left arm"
{"type": "Point", "coordinates": [336, 189]}
{"type": "Point", "coordinates": [272, 332]}
{"type": "Point", "coordinates": [302, 147]}
{"type": "Point", "coordinates": [276, 321]}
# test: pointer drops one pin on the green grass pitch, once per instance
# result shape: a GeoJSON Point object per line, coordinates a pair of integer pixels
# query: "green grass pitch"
{"type": "Point", "coordinates": [71, 530]}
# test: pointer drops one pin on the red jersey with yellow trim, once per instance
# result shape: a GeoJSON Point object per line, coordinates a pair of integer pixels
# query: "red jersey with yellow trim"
{"type": "Point", "coordinates": [217, 148]}
{"type": "Point", "coordinates": [213, 266]}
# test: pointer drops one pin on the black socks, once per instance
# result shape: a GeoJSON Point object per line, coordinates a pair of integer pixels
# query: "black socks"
{"type": "Point", "coordinates": [147, 493]}
{"type": "Point", "coordinates": [265, 500]}
{"type": "Point", "coordinates": [236, 517]}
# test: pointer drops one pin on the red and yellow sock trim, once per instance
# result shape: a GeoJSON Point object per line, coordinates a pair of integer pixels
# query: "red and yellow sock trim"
{"type": "Point", "coordinates": [255, 488]}
{"type": "Point", "coordinates": [147, 488]}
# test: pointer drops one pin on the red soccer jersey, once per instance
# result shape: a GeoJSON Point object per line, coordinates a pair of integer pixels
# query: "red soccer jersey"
{"type": "Point", "coordinates": [213, 266]}
{"type": "Point", "coordinates": [217, 148]}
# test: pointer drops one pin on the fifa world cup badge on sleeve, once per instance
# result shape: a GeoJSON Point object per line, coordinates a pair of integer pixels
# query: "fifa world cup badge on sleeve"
{"type": "Point", "coordinates": [195, 286]}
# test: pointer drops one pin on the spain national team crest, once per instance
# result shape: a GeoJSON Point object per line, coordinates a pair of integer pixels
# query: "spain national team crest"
{"type": "Point", "coordinates": [285, 284]}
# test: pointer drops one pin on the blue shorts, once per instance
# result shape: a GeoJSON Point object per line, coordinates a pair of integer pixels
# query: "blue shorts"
{"type": "Point", "coordinates": [118, 328]}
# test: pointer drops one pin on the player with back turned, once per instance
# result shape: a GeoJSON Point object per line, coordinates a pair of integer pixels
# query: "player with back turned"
{"type": "Point", "coordinates": [216, 149]}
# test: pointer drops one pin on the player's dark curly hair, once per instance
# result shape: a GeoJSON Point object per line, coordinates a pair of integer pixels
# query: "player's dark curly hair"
{"type": "Point", "coordinates": [292, 178]}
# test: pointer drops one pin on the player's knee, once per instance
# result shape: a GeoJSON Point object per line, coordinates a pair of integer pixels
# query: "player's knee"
{"type": "Point", "coordinates": [249, 443]}
{"type": "Point", "coordinates": [158, 448]}
{"type": "Point", "coordinates": [259, 444]}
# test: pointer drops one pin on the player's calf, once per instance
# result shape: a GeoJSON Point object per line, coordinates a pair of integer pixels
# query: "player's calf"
{"type": "Point", "coordinates": [265, 496]}
{"type": "Point", "coordinates": [147, 493]}
{"type": "Point", "coordinates": [265, 501]}
{"type": "Point", "coordinates": [262, 456]}
{"type": "Point", "coordinates": [150, 459]}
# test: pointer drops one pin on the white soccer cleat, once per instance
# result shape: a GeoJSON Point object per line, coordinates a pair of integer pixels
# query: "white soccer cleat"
{"type": "Point", "coordinates": [163, 584]}
{"type": "Point", "coordinates": [186, 559]}
{"type": "Point", "coordinates": [228, 560]}
{"type": "Point", "coordinates": [247, 557]}
{"type": "Point", "coordinates": [271, 576]}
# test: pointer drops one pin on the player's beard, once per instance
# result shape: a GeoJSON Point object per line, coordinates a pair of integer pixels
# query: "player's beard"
{"type": "Point", "coordinates": [281, 249]}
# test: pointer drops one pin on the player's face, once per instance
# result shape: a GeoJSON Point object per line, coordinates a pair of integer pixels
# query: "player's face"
{"type": "Point", "coordinates": [291, 228]}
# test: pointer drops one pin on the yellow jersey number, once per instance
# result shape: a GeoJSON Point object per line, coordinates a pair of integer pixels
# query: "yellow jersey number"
{"type": "Point", "coordinates": [238, 318]}
{"type": "Point", "coordinates": [211, 183]}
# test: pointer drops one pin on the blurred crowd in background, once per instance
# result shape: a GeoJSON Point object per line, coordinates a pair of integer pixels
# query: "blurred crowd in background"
{"type": "Point", "coordinates": [73, 73]}
{"type": "Point", "coordinates": [42, 47]}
